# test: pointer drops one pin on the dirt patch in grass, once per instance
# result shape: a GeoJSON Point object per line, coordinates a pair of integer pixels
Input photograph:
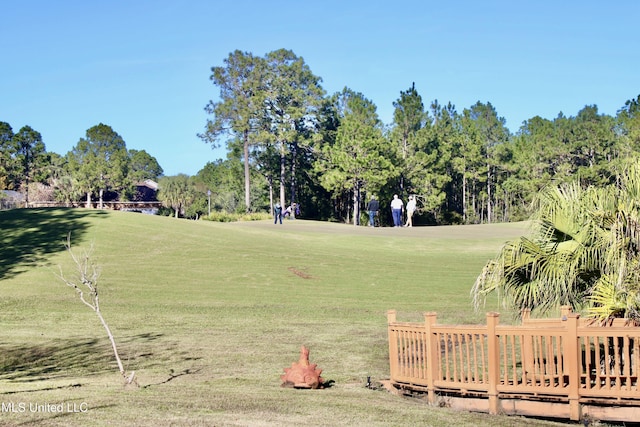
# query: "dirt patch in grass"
{"type": "Point", "coordinates": [300, 273]}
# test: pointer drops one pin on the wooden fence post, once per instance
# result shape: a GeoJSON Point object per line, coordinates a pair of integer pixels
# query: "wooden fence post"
{"type": "Point", "coordinates": [494, 361]}
{"type": "Point", "coordinates": [571, 362]}
{"type": "Point", "coordinates": [432, 356]}
{"type": "Point", "coordinates": [565, 311]}
{"type": "Point", "coordinates": [393, 345]}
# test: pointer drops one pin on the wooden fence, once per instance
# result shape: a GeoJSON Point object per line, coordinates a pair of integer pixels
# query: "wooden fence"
{"type": "Point", "coordinates": [122, 206]}
{"type": "Point", "coordinates": [564, 368]}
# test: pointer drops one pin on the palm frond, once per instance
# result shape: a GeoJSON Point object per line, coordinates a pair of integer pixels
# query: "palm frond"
{"type": "Point", "coordinates": [583, 250]}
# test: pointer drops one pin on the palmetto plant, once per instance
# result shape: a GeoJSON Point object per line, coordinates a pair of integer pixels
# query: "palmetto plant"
{"type": "Point", "coordinates": [583, 251]}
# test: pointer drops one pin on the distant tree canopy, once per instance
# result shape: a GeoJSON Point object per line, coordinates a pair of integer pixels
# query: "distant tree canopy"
{"type": "Point", "coordinates": [359, 159]}
{"type": "Point", "coordinates": [23, 158]}
{"type": "Point", "coordinates": [98, 164]}
{"type": "Point", "coordinates": [176, 192]}
{"type": "Point", "coordinates": [266, 102]}
{"type": "Point", "coordinates": [288, 141]}
{"type": "Point", "coordinates": [143, 166]}
{"type": "Point", "coordinates": [464, 167]}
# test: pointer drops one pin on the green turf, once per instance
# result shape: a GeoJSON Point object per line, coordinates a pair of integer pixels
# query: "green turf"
{"type": "Point", "coordinates": [209, 314]}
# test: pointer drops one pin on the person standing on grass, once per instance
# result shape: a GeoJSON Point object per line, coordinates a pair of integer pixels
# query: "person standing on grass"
{"type": "Point", "coordinates": [397, 206]}
{"type": "Point", "coordinates": [411, 208]}
{"type": "Point", "coordinates": [277, 213]}
{"type": "Point", "coordinates": [373, 207]}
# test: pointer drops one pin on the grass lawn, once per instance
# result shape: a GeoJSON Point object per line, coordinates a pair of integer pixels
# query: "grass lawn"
{"type": "Point", "coordinates": [209, 315]}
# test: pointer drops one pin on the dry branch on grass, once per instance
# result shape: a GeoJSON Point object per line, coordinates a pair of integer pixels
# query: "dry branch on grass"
{"type": "Point", "coordinates": [87, 282]}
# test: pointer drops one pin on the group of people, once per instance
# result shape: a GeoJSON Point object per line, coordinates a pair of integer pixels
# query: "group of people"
{"type": "Point", "coordinates": [292, 211]}
{"type": "Point", "coordinates": [397, 208]}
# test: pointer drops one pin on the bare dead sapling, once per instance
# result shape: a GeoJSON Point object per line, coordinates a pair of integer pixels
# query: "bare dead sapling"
{"type": "Point", "coordinates": [86, 286]}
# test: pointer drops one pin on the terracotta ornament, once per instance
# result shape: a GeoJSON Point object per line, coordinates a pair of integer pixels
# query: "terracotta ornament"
{"type": "Point", "coordinates": [302, 374]}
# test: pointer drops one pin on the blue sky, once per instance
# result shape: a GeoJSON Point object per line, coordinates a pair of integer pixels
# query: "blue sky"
{"type": "Point", "coordinates": [143, 67]}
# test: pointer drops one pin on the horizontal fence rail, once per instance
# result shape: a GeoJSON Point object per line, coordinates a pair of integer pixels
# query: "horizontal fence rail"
{"type": "Point", "coordinates": [96, 204]}
{"type": "Point", "coordinates": [567, 361]}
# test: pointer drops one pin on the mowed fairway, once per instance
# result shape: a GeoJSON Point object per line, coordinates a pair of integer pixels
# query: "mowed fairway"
{"type": "Point", "coordinates": [209, 315]}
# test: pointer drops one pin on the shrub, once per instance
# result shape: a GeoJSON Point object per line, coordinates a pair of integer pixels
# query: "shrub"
{"type": "Point", "coordinates": [233, 217]}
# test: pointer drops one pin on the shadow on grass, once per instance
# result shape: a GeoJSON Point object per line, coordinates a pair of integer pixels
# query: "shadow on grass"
{"type": "Point", "coordinates": [62, 387]}
{"type": "Point", "coordinates": [61, 415]}
{"type": "Point", "coordinates": [28, 363]}
{"type": "Point", "coordinates": [173, 375]}
{"type": "Point", "coordinates": [29, 236]}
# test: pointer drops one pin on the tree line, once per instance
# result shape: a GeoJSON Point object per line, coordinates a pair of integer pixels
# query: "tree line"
{"type": "Point", "coordinates": [288, 141]}
{"type": "Point", "coordinates": [328, 153]}
{"type": "Point", "coordinates": [99, 164]}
